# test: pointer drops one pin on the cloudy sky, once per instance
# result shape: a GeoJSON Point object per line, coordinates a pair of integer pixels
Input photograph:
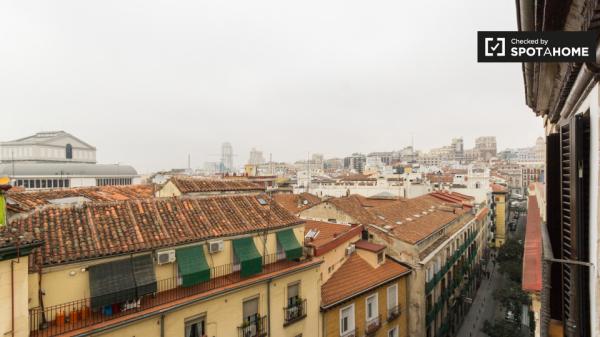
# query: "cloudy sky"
{"type": "Point", "coordinates": [148, 82]}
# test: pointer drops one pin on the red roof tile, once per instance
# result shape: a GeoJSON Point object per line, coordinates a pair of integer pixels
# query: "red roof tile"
{"type": "Point", "coordinates": [23, 201]}
{"type": "Point", "coordinates": [199, 185]}
{"type": "Point", "coordinates": [295, 203]}
{"type": "Point", "coordinates": [330, 235]}
{"type": "Point", "coordinates": [532, 253]}
{"type": "Point", "coordinates": [370, 246]}
{"type": "Point", "coordinates": [498, 188]}
{"type": "Point", "coordinates": [104, 229]}
{"type": "Point", "coordinates": [357, 275]}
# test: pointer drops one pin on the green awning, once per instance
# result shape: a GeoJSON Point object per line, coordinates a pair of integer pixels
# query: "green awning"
{"type": "Point", "coordinates": [289, 243]}
{"type": "Point", "coordinates": [192, 265]}
{"type": "Point", "coordinates": [249, 257]}
{"type": "Point", "coordinates": [2, 210]}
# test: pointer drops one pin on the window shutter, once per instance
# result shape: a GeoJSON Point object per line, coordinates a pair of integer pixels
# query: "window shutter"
{"type": "Point", "coordinates": [574, 181]}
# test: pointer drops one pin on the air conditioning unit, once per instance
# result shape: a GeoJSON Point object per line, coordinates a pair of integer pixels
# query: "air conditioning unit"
{"type": "Point", "coordinates": [215, 246]}
{"type": "Point", "coordinates": [350, 249]}
{"type": "Point", "coordinates": [166, 256]}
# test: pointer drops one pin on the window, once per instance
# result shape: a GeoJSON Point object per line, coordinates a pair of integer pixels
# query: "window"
{"type": "Point", "coordinates": [250, 310]}
{"type": "Point", "coordinates": [371, 307]}
{"type": "Point", "coordinates": [393, 332]}
{"type": "Point", "coordinates": [69, 151]}
{"type": "Point", "coordinates": [347, 320]}
{"type": "Point", "coordinates": [195, 327]}
{"type": "Point", "coordinates": [380, 258]}
{"type": "Point", "coordinates": [293, 294]}
{"type": "Point", "coordinates": [392, 296]}
{"type": "Point", "coordinates": [280, 252]}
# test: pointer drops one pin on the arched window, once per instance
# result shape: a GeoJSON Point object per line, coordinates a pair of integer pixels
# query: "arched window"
{"type": "Point", "coordinates": [69, 151]}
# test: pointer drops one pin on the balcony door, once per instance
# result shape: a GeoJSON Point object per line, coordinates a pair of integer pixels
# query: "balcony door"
{"type": "Point", "coordinates": [195, 327]}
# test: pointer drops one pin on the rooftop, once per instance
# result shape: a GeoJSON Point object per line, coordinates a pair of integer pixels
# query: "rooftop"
{"type": "Point", "coordinates": [328, 236]}
{"type": "Point", "coordinates": [496, 188]}
{"type": "Point", "coordinates": [103, 229]}
{"type": "Point", "coordinates": [370, 246]}
{"type": "Point", "coordinates": [19, 169]}
{"type": "Point", "coordinates": [356, 276]}
{"type": "Point", "coordinates": [25, 201]}
{"type": "Point", "coordinates": [196, 185]}
{"type": "Point", "coordinates": [295, 203]}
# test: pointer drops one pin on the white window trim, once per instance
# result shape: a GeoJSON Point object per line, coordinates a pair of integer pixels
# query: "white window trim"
{"type": "Point", "coordinates": [396, 329]}
{"type": "Point", "coordinates": [376, 308]}
{"type": "Point", "coordinates": [395, 287]}
{"type": "Point", "coordinates": [351, 323]}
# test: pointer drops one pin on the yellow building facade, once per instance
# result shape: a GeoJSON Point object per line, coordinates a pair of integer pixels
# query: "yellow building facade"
{"type": "Point", "coordinates": [500, 216]}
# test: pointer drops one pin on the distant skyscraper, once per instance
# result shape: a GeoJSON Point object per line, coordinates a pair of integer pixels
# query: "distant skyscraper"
{"type": "Point", "coordinates": [226, 157]}
{"type": "Point", "coordinates": [256, 157]}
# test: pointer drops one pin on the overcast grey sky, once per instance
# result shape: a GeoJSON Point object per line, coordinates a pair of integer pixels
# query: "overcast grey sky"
{"type": "Point", "coordinates": [148, 82]}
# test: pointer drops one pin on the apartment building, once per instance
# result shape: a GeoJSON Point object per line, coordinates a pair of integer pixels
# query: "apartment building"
{"type": "Point", "coordinates": [366, 296]}
{"type": "Point", "coordinates": [186, 266]}
{"type": "Point", "coordinates": [443, 235]}
{"type": "Point", "coordinates": [565, 95]}
{"type": "Point", "coordinates": [499, 213]}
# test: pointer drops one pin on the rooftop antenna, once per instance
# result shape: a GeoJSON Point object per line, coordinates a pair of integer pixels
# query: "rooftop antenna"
{"type": "Point", "coordinates": [12, 154]}
{"type": "Point", "coordinates": [308, 172]}
{"type": "Point", "coordinates": [189, 165]}
{"type": "Point", "coordinates": [271, 162]}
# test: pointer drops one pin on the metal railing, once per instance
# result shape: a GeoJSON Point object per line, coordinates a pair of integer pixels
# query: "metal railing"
{"type": "Point", "coordinates": [373, 325]}
{"type": "Point", "coordinates": [257, 327]}
{"type": "Point", "coordinates": [294, 312]}
{"type": "Point", "coordinates": [65, 317]}
{"type": "Point", "coordinates": [393, 313]}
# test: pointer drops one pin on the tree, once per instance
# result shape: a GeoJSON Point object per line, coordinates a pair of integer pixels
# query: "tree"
{"type": "Point", "coordinates": [512, 297]}
{"type": "Point", "coordinates": [513, 269]}
{"type": "Point", "coordinates": [512, 250]}
{"type": "Point", "coordinates": [501, 328]}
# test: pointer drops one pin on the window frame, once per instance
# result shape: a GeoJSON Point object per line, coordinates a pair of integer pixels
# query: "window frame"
{"type": "Point", "coordinates": [395, 287]}
{"type": "Point", "coordinates": [374, 296]}
{"type": "Point", "coordinates": [351, 322]}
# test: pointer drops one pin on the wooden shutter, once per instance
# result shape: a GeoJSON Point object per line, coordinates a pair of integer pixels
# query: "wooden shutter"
{"type": "Point", "coordinates": [574, 181]}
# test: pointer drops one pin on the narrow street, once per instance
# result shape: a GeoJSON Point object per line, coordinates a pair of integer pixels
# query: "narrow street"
{"type": "Point", "coordinates": [484, 306]}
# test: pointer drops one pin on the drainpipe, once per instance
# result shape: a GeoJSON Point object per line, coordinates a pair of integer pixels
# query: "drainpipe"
{"type": "Point", "coordinates": [12, 297]}
{"type": "Point", "coordinates": [162, 325]}
{"type": "Point", "coordinates": [269, 307]}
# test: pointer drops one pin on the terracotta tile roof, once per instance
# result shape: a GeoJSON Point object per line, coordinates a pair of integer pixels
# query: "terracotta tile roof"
{"type": "Point", "coordinates": [295, 203]}
{"type": "Point", "coordinates": [353, 206]}
{"type": "Point", "coordinates": [412, 220]}
{"type": "Point", "coordinates": [104, 229]}
{"type": "Point", "coordinates": [376, 201]}
{"type": "Point", "coordinates": [330, 235]}
{"type": "Point", "coordinates": [198, 185]}
{"type": "Point", "coordinates": [24, 201]}
{"type": "Point", "coordinates": [355, 276]}
{"type": "Point", "coordinates": [370, 246]}
{"type": "Point", "coordinates": [440, 178]}
{"type": "Point", "coordinates": [532, 252]}
{"type": "Point", "coordinates": [453, 197]}
{"type": "Point", "coordinates": [498, 188]}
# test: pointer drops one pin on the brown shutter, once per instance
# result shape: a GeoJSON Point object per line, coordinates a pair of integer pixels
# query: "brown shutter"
{"type": "Point", "coordinates": [574, 144]}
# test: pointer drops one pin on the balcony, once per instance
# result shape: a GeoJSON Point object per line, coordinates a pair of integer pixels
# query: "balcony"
{"type": "Point", "coordinates": [63, 318]}
{"type": "Point", "coordinates": [373, 325]}
{"type": "Point", "coordinates": [256, 327]}
{"type": "Point", "coordinates": [393, 313]}
{"type": "Point", "coordinates": [294, 313]}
